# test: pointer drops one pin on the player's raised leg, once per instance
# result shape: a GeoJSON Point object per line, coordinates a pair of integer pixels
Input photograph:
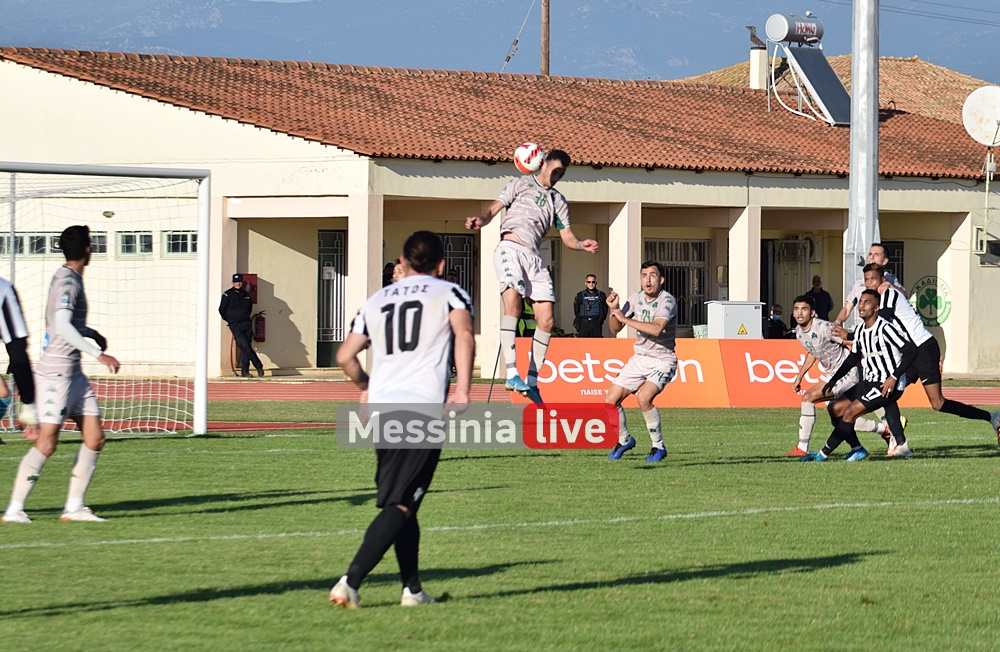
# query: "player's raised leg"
{"type": "Point", "coordinates": [616, 394]}
{"type": "Point", "coordinates": [508, 338]}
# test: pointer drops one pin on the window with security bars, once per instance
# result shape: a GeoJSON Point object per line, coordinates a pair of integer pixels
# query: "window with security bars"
{"type": "Point", "coordinates": [686, 263]}
{"type": "Point", "coordinates": [180, 243]}
{"type": "Point", "coordinates": [135, 243]}
{"type": "Point", "coordinates": [894, 250]}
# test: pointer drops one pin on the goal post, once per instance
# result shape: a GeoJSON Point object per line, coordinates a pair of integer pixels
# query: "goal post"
{"type": "Point", "coordinates": [147, 282]}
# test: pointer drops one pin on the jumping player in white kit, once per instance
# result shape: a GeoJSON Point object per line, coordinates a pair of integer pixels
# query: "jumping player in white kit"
{"type": "Point", "coordinates": [533, 206]}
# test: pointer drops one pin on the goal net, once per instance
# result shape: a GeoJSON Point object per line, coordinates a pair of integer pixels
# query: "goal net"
{"type": "Point", "coordinates": [143, 283]}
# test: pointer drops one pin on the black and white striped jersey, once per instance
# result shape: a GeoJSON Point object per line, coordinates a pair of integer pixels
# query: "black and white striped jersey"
{"type": "Point", "coordinates": [409, 328]}
{"type": "Point", "coordinates": [894, 307]}
{"type": "Point", "coordinates": [12, 326]}
{"type": "Point", "coordinates": [880, 349]}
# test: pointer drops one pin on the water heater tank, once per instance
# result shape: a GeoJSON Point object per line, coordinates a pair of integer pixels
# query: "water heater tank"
{"type": "Point", "coordinates": [794, 29]}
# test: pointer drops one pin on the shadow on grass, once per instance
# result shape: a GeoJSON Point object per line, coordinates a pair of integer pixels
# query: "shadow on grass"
{"type": "Point", "coordinates": [954, 451]}
{"type": "Point", "coordinates": [321, 586]}
{"type": "Point", "coordinates": [243, 501]}
{"type": "Point", "coordinates": [741, 570]}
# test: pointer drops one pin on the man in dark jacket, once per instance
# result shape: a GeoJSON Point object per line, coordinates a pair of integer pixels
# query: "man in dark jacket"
{"type": "Point", "coordinates": [236, 308]}
{"type": "Point", "coordinates": [590, 309]}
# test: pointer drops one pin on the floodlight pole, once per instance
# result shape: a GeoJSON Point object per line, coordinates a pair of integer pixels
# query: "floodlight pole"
{"type": "Point", "coordinates": [862, 221]}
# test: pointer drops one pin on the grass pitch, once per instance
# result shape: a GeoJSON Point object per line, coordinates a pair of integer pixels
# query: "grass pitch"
{"type": "Point", "coordinates": [233, 542]}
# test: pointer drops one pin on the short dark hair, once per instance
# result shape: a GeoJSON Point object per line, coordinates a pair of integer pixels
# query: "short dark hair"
{"type": "Point", "coordinates": [873, 294]}
{"type": "Point", "coordinates": [805, 298]}
{"type": "Point", "coordinates": [589, 275]}
{"type": "Point", "coordinates": [74, 241]}
{"type": "Point", "coordinates": [423, 251]}
{"type": "Point", "coordinates": [656, 264]}
{"type": "Point", "coordinates": [776, 306]}
{"type": "Point", "coordinates": [874, 267]}
{"type": "Point", "coordinates": [885, 251]}
{"type": "Point", "coordinates": [558, 155]}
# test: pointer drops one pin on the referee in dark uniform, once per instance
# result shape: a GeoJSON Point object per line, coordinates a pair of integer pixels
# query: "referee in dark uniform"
{"type": "Point", "coordinates": [14, 332]}
{"type": "Point", "coordinates": [885, 352]}
{"type": "Point", "coordinates": [236, 308]}
{"type": "Point", "coordinates": [590, 309]}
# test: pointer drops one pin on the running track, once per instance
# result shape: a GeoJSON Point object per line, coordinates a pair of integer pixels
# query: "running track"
{"type": "Point", "coordinates": [264, 390]}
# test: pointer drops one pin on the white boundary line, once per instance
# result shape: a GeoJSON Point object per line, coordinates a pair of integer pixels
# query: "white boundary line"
{"type": "Point", "coordinates": [528, 524]}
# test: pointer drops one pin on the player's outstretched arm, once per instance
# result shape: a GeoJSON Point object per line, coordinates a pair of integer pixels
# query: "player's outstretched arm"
{"type": "Point", "coordinates": [479, 221]}
{"type": "Point", "coordinates": [465, 348]}
{"type": "Point", "coordinates": [806, 366]}
{"type": "Point", "coordinates": [573, 242]}
{"type": "Point", "coordinates": [347, 359]}
{"type": "Point", "coordinates": [844, 313]}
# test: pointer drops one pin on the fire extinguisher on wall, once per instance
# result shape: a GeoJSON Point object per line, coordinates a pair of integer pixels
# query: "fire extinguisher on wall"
{"type": "Point", "coordinates": [259, 326]}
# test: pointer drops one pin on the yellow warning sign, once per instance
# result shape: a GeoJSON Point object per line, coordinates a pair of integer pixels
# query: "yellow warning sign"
{"type": "Point", "coordinates": [742, 331]}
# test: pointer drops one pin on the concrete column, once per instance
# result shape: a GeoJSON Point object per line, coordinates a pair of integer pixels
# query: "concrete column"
{"type": "Point", "coordinates": [744, 254]}
{"type": "Point", "coordinates": [364, 251]}
{"type": "Point", "coordinates": [624, 249]}
{"type": "Point", "coordinates": [490, 306]}
{"type": "Point", "coordinates": [955, 270]}
{"type": "Point", "coordinates": [222, 265]}
{"type": "Point", "coordinates": [758, 69]}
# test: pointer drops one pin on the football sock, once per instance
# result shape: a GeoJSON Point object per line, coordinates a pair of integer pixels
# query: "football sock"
{"type": "Point", "coordinates": [83, 471]}
{"type": "Point", "coordinates": [653, 425]}
{"type": "Point", "coordinates": [807, 418]}
{"type": "Point", "coordinates": [843, 432]}
{"type": "Point", "coordinates": [508, 337]}
{"type": "Point", "coordinates": [964, 411]}
{"type": "Point", "coordinates": [381, 534]}
{"type": "Point", "coordinates": [880, 413]}
{"type": "Point", "coordinates": [407, 552]}
{"type": "Point", "coordinates": [623, 433]}
{"type": "Point", "coordinates": [862, 424]}
{"type": "Point", "coordinates": [895, 426]}
{"type": "Point", "coordinates": [27, 474]}
{"type": "Point", "coordinates": [539, 346]}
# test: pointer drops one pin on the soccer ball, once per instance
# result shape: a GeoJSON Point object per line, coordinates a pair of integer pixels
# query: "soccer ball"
{"type": "Point", "coordinates": [528, 158]}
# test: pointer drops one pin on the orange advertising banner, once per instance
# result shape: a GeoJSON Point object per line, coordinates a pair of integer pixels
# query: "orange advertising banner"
{"type": "Point", "coordinates": [710, 373]}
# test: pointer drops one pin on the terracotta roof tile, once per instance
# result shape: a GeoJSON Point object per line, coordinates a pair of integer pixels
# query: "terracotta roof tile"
{"type": "Point", "coordinates": [481, 116]}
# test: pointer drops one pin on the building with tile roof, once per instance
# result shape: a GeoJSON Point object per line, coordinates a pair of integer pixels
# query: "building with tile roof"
{"type": "Point", "coordinates": [739, 202]}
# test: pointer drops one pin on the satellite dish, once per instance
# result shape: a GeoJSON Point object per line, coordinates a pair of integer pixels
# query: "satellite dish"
{"type": "Point", "coordinates": [981, 115]}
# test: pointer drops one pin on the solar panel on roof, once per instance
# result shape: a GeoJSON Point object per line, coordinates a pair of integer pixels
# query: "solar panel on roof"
{"type": "Point", "coordinates": [825, 88]}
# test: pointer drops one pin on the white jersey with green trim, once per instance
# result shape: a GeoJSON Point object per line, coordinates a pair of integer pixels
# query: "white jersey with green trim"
{"type": "Point", "coordinates": [824, 345]}
{"type": "Point", "coordinates": [531, 211]}
{"type": "Point", "coordinates": [59, 357]}
{"type": "Point", "coordinates": [642, 308]}
{"type": "Point", "coordinates": [408, 326]}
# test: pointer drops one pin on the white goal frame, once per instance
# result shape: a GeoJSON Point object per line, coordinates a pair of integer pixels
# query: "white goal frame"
{"type": "Point", "coordinates": [203, 179]}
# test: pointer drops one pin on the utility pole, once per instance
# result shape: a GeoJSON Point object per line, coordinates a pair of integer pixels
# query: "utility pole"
{"type": "Point", "coordinates": [545, 37]}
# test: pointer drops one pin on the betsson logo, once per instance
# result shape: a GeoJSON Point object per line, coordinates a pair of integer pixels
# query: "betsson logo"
{"type": "Point", "coordinates": [762, 371]}
{"type": "Point", "coordinates": [571, 370]}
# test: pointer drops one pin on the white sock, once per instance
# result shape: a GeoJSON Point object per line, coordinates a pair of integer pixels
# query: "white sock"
{"type": "Point", "coordinates": [83, 471]}
{"type": "Point", "coordinates": [807, 419]}
{"type": "Point", "coordinates": [880, 413]}
{"type": "Point", "coordinates": [508, 335]}
{"type": "Point", "coordinates": [653, 425]}
{"type": "Point", "coordinates": [539, 346]}
{"type": "Point", "coordinates": [623, 433]}
{"type": "Point", "coordinates": [27, 474]}
{"type": "Point", "coordinates": [862, 424]}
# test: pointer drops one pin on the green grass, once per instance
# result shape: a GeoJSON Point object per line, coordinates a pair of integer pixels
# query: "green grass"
{"type": "Point", "coordinates": [233, 542]}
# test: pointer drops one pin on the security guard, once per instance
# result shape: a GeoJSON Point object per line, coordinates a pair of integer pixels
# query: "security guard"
{"type": "Point", "coordinates": [590, 309]}
{"type": "Point", "coordinates": [236, 308]}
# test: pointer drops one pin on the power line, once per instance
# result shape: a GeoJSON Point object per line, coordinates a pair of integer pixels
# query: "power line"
{"type": "Point", "coordinates": [513, 46]}
{"type": "Point", "coordinates": [945, 4]}
{"type": "Point", "coordinates": [922, 14]}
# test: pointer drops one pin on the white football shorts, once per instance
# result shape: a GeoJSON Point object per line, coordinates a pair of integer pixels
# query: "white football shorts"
{"type": "Point", "coordinates": [644, 368]}
{"type": "Point", "coordinates": [62, 397]}
{"type": "Point", "coordinates": [518, 268]}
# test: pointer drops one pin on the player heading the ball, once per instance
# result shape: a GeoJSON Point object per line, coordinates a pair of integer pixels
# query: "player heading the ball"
{"type": "Point", "coordinates": [533, 206]}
